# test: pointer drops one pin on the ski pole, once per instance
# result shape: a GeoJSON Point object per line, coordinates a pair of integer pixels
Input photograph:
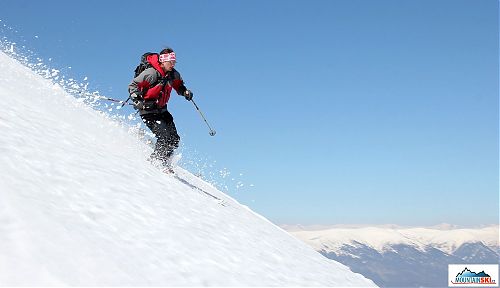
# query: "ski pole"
{"type": "Point", "coordinates": [125, 102]}
{"type": "Point", "coordinates": [106, 98]}
{"type": "Point", "coordinates": [212, 131]}
{"type": "Point", "coordinates": [116, 100]}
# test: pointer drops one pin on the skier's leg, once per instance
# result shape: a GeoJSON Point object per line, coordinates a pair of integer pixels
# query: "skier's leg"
{"type": "Point", "coordinates": [157, 125]}
{"type": "Point", "coordinates": [172, 138]}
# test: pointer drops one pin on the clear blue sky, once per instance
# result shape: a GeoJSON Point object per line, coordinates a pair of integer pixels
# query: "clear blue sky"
{"type": "Point", "coordinates": [335, 111]}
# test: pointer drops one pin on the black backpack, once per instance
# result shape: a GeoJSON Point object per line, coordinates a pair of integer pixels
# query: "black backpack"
{"type": "Point", "coordinates": [144, 64]}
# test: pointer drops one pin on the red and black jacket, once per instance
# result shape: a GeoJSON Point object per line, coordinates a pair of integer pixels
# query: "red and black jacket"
{"type": "Point", "coordinates": [154, 85]}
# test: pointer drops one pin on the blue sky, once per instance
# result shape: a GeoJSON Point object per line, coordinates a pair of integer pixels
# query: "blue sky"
{"type": "Point", "coordinates": [328, 112]}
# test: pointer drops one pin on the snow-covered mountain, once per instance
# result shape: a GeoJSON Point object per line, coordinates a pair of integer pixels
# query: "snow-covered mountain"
{"type": "Point", "coordinates": [80, 205]}
{"type": "Point", "coordinates": [385, 254]}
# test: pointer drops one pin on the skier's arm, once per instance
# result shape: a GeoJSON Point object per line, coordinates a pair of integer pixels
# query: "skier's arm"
{"type": "Point", "coordinates": [142, 83]}
{"type": "Point", "coordinates": [178, 85]}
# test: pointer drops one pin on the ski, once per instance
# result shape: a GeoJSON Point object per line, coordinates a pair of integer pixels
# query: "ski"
{"type": "Point", "coordinates": [220, 201]}
{"type": "Point", "coordinates": [171, 172]}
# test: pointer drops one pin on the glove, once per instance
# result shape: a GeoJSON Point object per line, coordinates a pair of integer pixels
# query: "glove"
{"type": "Point", "coordinates": [138, 104]}
{"type": "Point", "coordinates": [188, 95]}
{"type": "Point", "coordinates": [137, 101]}
{"type": "Point", "coordinates": [135, 97]}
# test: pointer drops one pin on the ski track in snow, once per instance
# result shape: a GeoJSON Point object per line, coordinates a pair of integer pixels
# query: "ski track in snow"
{"type": "Point", "coordinates": [80, 205]}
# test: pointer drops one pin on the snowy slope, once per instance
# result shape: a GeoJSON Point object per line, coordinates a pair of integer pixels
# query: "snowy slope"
{"type": "Point", "coordinates": [79, 205]}
{"type": "Point", "coordinates": [379, 238]}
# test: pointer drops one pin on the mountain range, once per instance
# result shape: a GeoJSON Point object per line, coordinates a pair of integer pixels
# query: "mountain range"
{"type": "Point", "coordinates": [403, 257]}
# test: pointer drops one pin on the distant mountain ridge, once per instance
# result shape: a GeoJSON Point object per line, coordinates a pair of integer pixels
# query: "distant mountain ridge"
{"type": "Point", "coordinates": [380, 238]}
{"type": "Point", "coordinates": [383, 254]}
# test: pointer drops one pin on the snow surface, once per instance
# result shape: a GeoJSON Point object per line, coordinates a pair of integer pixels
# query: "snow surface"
{"type": "Point", "coordinates": [80, 205]}
{"type": "Point", "coordinates": [381, 238]}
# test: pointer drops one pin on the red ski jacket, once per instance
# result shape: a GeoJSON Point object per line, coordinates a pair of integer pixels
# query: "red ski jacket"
{"type": "Point", "coordinates": [155, 86]}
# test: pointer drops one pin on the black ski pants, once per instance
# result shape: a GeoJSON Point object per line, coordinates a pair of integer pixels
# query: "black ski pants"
{"type": "Point", "coordinates": [167, 140]}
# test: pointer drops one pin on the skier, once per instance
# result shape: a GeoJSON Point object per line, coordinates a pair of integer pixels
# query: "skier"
{"type": "Point", "coordinates": [150, 92]}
